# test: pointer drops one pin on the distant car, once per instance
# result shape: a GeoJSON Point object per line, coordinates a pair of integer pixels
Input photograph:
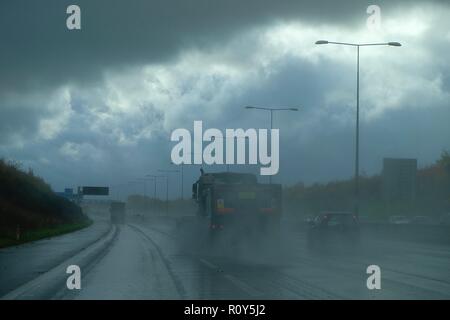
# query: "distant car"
{"type": "Point", "coordinates": [333, 228]}
{"type": "Point", "coordinates": [421, 220]}
{"type": "Point", "coordinates": [398, 220]}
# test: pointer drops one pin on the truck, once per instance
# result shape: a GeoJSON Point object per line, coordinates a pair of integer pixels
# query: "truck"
{"type": "Point", "coordinates": [117, 212]}
{"type": "Point", "coordinates": [236, 204]}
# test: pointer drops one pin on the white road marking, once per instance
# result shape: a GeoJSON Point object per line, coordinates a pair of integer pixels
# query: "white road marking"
{"type": "Point", "coordinates": [243, 286]}
{"type": "Point", "coordinates": [238, 283]}
{"type": "Point", "coordinates": [208, 264]}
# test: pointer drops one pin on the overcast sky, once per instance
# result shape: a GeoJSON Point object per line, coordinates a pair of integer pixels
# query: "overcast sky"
{"type": "Point", "coordinates": [97, 106]}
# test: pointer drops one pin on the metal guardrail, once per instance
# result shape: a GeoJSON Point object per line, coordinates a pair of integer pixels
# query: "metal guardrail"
{"type": "Point", "coordinates": [409, 232]}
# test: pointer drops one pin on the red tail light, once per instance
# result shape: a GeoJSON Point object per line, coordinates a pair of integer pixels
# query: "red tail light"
{"type": "Point", "coordinates": [225, 210]}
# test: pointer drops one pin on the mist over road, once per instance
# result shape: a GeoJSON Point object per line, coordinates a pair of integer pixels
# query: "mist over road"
{"type": "Point", "coordinates": [150, 259]}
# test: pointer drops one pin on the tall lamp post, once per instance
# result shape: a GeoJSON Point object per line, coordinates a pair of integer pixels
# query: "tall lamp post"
{"type": "Point", "coordinates": [358, 45]}
{"type": "Point", "coordinates": [144, 180]}
{"type": "Point", "coordinates": [182, 178]}
{"type": "Point", "coordinates": [154, 177]}
{"type": "Point", "coordinates": [271, 110]}
{"type": "Point", "coordinates": [167, 186]}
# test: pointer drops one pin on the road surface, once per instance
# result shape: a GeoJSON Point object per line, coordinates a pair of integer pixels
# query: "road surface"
{"type": "Point", "coordinates": [150, 260]}
{"type": "Point", "coordinates": [21, 264]}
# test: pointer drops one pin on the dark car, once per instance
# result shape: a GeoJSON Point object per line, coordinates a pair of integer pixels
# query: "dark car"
{"type": "Point", "coordinates": [333, 229]}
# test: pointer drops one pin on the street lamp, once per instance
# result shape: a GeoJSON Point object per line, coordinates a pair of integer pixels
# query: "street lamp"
{"type": "Point", "coordinates": [182, 177]}
{"type": "Point", "coordinates": [154, 180]}
{"type": "Point", "coordinates": [358, 45]}
{"type": "Point", "coordinates": [167, 186]}
{"type": "Point", "coordinates": [271, 120]}
{"type": "Point", "coordinates": [168, 171]}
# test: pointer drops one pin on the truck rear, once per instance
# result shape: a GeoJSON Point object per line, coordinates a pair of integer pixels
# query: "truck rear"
{"type": "Point", "coordinates": [236, 205]}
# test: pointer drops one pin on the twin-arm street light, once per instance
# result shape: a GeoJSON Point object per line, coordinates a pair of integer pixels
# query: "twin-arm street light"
{"type": "Point", "coordinates": [167, 186]}
{"type": "Point", "coordinates": [358, 45]}
{"type": "Point", "coordinates": [271, 110]}
{"type": "Point", "coordinates": [154, 178]}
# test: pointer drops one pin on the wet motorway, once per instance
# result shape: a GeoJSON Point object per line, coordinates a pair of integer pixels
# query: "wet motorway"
{"type": "Point", "coordinates": [151, 260]}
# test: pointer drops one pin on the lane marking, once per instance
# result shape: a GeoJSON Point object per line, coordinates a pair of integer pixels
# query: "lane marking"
{"type": "Point", "coordinates": [243, 286]}
{"type": "Point", "coordinates": [208, 264]}
{"type": "Point", "coordinates": [237, 282]}
{"type": "Point", "coordinates": [178, 285]}
{"type": "Point", "coordinates": [49, 284]}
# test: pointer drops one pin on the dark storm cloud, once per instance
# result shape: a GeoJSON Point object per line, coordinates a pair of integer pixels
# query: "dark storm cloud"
{"type": "Point", "coordinates": [138, 69]}
{"type": "Point", "coordinates": [14, 124]}
{"type": "Point", "coordinates": [330, 155]}
{"type": "Point", "coordinates": [39, 52]}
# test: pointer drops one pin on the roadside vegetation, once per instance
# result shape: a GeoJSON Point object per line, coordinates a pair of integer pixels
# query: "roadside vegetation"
{"type": "Point", "coordinates": [432, 195]}
{"type": "Point", "coordinates": [30, 210]}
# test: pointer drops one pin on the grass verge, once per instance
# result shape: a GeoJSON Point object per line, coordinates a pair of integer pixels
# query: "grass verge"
{"type": "Point", "coordinates": [7, 241]}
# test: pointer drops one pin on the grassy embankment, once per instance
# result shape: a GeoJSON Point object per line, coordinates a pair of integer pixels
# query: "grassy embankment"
{"type": "Point", "coordinates": [30, 210]}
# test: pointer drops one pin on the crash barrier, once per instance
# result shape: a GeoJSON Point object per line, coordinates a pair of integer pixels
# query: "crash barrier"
{"type": "Point", "coordinates": [423, 233]}
{"type": "Point", "coordinates": [409, 232]}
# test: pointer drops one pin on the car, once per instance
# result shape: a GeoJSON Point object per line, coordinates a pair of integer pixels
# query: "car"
{"type": "Point", "coordinates": [398, 219]}
{"type": "Point", "coordinates": [333, 229]}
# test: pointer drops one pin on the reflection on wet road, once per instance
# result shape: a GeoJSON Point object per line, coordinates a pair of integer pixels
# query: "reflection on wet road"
{"type": "Point", "coordinates": [153, 262]}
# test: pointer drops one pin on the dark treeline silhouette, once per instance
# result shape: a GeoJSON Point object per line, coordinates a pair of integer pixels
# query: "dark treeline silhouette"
{"type": "Point", "coordinates": [27, 203]}
{"type": "Point", "coordinates": [432, 195]}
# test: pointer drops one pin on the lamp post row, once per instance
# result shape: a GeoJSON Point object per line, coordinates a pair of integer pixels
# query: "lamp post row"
{"type": "Point", "coordinates": [272, 110]}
